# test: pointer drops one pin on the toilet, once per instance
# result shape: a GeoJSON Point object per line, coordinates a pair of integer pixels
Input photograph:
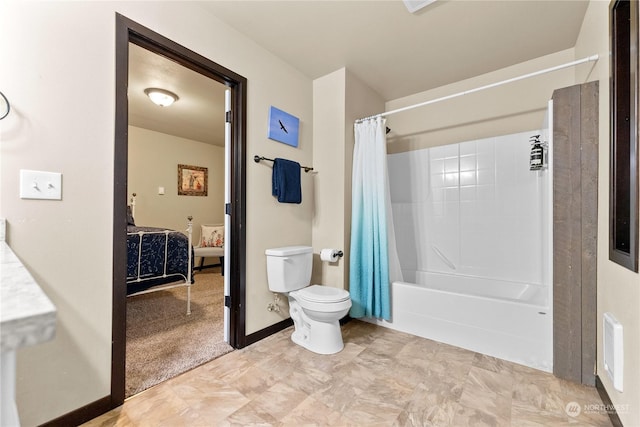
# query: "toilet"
{"type": "Point", "coordinates": [316, 309]}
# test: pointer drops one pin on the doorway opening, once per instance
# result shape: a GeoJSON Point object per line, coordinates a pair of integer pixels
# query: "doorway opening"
{"type": "Point", "coordinates": [132, 39]}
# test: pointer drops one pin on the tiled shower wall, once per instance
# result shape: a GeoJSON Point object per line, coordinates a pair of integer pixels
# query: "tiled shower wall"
{"type": "Point", "coordinates": [472, 209]}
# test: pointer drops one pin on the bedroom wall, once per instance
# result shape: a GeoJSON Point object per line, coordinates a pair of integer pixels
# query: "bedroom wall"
{"type": "Point", "coordinates": [153, 161]}
{"type": "Point", "coordinates": [60, 80]}
{"type": "Point", "coordinates": [618, 288]}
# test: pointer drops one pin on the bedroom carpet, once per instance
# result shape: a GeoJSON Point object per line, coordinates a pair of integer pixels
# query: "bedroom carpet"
{"type": "Point", "coordinates": [162, 341]}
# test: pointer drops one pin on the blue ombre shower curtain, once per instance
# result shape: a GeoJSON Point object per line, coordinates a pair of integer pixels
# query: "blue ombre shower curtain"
{"type": "Point", "coordinates": [374, 261]}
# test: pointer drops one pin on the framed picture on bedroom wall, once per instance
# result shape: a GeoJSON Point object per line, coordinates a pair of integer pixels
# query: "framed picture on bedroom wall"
{"type": "Point", "coordinates": [192, 180]}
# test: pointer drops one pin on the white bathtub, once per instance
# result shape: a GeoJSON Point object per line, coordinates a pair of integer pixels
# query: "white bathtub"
{"type": "Point", "coordinates": [511, 321]}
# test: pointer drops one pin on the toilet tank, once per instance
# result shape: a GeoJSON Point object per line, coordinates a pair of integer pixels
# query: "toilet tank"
{"type": "Point", "coordinates": [289, 268]}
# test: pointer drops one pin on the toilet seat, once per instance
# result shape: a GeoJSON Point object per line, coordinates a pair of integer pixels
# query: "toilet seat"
{"type": "Point", "coordinates": [322, 294]}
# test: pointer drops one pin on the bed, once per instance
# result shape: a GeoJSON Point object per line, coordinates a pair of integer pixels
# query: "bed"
{"type": "Point", "coordinates": [158, 259]}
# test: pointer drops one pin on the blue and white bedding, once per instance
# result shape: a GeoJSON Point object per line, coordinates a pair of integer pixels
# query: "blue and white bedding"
{"type": "Point", "coordinates": [151, 270]}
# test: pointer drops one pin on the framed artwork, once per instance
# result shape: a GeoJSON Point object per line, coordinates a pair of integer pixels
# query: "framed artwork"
{"type": "Point", "coordinates": [192, 180]}
{"type": "Point", "coordinates": [283, 127]}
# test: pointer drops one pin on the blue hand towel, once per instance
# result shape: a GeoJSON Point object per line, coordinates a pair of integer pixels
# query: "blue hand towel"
{"type": "Point", "coordinates": [285, 181]}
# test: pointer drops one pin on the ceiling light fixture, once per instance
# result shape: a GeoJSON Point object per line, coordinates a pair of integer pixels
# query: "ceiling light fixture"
{"type": "Point", "coordinates": [161, 97]}
{"type": "Point", "coordinates": [415, 5]}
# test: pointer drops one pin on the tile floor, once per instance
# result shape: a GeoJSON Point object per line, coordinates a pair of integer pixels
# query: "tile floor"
{"type": "Point", "coordinates": [381, 378]}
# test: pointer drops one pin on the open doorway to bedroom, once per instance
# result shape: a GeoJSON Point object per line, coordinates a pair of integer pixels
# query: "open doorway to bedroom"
{"type": "Point", "coordinates": [178, 168]}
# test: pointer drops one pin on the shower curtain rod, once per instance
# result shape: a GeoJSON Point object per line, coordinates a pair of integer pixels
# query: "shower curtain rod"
{"type": "Point", "coordinates": [478, 89]}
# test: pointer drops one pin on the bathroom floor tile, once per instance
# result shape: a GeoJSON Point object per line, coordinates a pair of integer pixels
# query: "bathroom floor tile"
{"type": "Point", "coordinates": [338, 394]}
{"type": "Point", "coordinates": [312, 412]}
{"type": "Point", "coordinates": [489, 383]}
{"type": "Point", "coordinates": [254, 382]}
{"type": "Point", "coordinates": [493, 364]}
{"type": "Point", "coordinates": [308, 380]}
{"type": "Point", "coordinates": [381, 378]}
{"type": "Point", "coordinates": [482, 406]}
{"type": "Point", "coordinates": [429, 406]}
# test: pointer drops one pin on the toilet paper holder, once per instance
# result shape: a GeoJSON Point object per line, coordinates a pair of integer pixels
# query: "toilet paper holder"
{"type": "Point", "coordinates": [331, 255]}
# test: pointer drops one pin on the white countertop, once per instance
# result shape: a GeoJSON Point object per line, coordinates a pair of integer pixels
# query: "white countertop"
{"type": "Point", "coordinates": [27, 316]}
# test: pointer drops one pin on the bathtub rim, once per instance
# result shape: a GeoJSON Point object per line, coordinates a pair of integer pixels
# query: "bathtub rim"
{"type": "Point", "coordinates": [546, 307]}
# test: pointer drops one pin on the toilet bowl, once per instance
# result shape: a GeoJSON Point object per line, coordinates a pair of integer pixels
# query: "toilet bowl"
{"type": "Point", "coordinates": [316, 312]}
{"type": "Point", "coordinates": [316, 309]}
{"type": "Point", "coordinates": [323, 303]}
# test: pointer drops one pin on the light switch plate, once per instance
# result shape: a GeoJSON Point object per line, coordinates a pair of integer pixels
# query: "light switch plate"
{"type": "Point", "coordinates": [40, 185]}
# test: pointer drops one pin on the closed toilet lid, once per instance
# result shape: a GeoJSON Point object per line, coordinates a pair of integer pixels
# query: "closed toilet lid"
{"type": "Point", "coordinates": [319, 293]}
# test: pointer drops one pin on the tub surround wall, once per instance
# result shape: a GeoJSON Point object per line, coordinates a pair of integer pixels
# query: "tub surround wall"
{"type": "Point", "coordinates": [472, 225]}
{"type": "Point", "coordinates": [472, 228]}
{"type": "Point", "coordinates": [471, 209]}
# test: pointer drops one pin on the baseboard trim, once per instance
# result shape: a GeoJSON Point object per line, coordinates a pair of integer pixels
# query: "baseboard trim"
{"type": "Point", "coordinates": [611, 408]}
{"type": "Point", "coordinates": [269, 330]}
{"type": "Point", "coordinates": [82, 415]}
{"type": "Point", "coordinates": [277, 327]}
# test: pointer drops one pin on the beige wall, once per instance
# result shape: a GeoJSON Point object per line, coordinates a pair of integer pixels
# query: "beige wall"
{"type": "Point", "coordinates": [328, 225]}
{"type": "Point", "coordinates": [339, 99]}
{"type": "Point", "coordinates": [507, 109]}
{"type": "Point", "coordinates": [618, 288]}
{"type": "Point", "coordinates": [153, 161]}
{"type": "Point", "coordinates": [272, 224]}
{"type": "Point", "coordinates": [60, 80]}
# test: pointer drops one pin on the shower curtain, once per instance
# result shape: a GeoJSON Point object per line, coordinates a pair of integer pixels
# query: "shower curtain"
{"type": "Point", "coordinates": [374, 262]}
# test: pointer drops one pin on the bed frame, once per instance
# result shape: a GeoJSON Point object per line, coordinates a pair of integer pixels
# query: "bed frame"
{"type": "Point", "coordinates": [164, 275]}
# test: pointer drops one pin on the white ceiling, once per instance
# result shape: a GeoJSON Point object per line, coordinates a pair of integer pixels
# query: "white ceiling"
{"type": "Point", "coordinates": [397, 53]}
{"type": "Point", "coordinates": [394, 52]}
{"type": "Point", "coordinates": [197, 115]}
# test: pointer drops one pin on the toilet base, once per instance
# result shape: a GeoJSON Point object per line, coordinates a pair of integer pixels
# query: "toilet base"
{"type": "Point", "coordinates": [315, 336]}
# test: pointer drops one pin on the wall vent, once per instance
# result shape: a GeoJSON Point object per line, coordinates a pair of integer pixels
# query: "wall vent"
{"type": "Point", "coordinates": [613, 350]}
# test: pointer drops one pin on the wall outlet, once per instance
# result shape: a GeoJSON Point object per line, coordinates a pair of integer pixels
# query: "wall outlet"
{"type": "Point", "coordinates": [40, 185]}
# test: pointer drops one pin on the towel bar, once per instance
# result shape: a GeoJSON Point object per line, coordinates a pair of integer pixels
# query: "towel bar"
{"type": "Point", "coordinates": [258, 158]}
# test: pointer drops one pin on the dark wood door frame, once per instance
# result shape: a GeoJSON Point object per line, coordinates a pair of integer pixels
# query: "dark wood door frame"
{"type": "Point", "coordinates": [130, 31]}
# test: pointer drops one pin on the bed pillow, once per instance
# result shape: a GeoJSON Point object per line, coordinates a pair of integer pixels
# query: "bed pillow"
{"type": "Point", "coordinates": [212, 236]}
{"type": "Point", "coordinates": [130, 220]}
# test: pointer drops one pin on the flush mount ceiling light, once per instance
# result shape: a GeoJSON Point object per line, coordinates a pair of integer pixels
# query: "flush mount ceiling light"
{"type": "Point", "coordinates": [415, 5]}
{"type": "Point", "coordinates": [161, 97]}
